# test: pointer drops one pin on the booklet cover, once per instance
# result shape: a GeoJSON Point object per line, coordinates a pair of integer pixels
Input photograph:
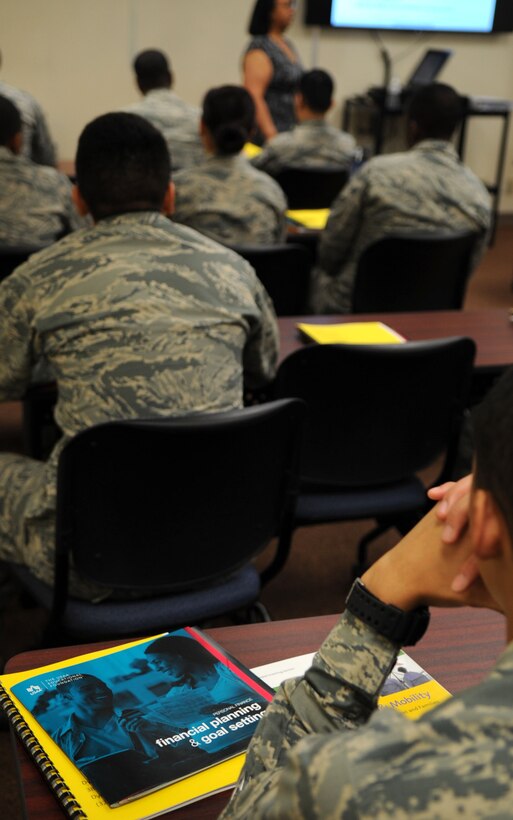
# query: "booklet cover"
{"type": "Point", "coordinates": [408, 688]}
{"type": "Point", "coordinates": [136, 718]}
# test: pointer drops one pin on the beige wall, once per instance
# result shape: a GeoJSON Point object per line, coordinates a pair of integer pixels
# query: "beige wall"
{"type": "Point", "coordinates": [74, 56]}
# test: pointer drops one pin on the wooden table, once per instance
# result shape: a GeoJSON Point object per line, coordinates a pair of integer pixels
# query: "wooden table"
{"type": "Point", "coordinates": [490, 328]}
{"type": "Point", "coordinates": [459, 648]}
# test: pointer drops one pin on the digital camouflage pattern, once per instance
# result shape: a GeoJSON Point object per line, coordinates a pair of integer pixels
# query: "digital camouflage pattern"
{"type": "Point", "coordinates": [323, 751]}
{"type": "Point", "coordinates": [35, 202]}
{"type": "Point", "coordinates": [177, 120]}
{"type": "Point", "coordinates": [310, 144]}
{"type": "Point", "coordinates": [279, 94]}
{"type": "Point", "coordinates": [425, 189]}
{"type": "Point", "coordinates": [37, 142]}
{"type": "Point", "coordinates": [228, 200]}
{"type": "Point", "coordinates": [136, 317]}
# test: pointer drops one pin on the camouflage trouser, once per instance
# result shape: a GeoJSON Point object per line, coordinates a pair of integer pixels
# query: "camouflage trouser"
{"type": "Point", "coordinates": [24, 540]}
{"type": "Point", "coordinates": [27, 521]}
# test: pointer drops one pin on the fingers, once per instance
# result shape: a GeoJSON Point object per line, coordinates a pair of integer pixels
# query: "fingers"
{"type": "Point", "coordinates": [467, 575]}
{"type": "Point", "coordinates": [452, 509]}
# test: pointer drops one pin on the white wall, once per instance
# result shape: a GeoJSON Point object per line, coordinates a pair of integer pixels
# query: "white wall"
{"type": "Point", "coordinates": [74, 56]}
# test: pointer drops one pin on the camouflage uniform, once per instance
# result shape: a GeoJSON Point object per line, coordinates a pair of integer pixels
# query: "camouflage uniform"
{"type": "Point", "coordinates": [323, 751]}
{"type": "Point", "coordinates": [137, 317]}
{"type": "Point", "coordinates": [37, 142]}
{"type": "Point", "coordinates": [35, 202]}
{"type": "Point", "coordinates": [310, 144]}
{"type": "Point", "coordinates": [178, 122]}
{"type": "Point", "coordinates": [424, 189]}
{"type": "Point", "coordinates": [228, 200]}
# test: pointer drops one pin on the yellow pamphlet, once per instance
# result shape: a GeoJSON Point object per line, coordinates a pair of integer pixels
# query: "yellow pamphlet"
{"type": "Point", "coordinates": [355, 333]}
{"type": "Point", "coordinates": [315, 220]}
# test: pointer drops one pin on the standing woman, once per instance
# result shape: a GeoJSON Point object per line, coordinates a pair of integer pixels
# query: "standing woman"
{"type": "Point", "coordinates": [272, 67]}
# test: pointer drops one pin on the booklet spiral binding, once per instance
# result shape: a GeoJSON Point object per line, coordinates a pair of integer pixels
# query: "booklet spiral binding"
{"type": "Point", "coordinates": [41, 759]}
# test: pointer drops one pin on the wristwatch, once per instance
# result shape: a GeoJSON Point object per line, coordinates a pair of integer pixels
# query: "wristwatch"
{"type": "Point", "coordinates": [401, 627]}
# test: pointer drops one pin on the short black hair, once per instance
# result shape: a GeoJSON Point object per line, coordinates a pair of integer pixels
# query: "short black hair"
{"type": "Point", "coordinates": [180, 646]}
{"type": "Point", "coordinates": [493, 444]}
{"type": "Point", "coordinates": [260, 21]}
{"type": "Point", "coordinates": [10, 121]}
{"type": "Point", "coordinates": [152, 70]}
{"type": "Point", "coordinates": [229, 115]}
{"type": "Point", "coordinates": [122, 165]}
{"type": "Point", "coordinates": [437, 109]}
{"type": "Point", "coordinates": [316, 86]}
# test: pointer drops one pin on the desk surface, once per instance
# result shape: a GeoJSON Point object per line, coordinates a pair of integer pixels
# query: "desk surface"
{"type": "Point", "coordinates": [490, 328]}
{"type": "Point", "coordinates": [459, 648]}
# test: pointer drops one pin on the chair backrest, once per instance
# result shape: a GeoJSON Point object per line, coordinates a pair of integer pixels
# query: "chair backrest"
{"type": "Point", "coordinates": [13, 255]}
{"type": "Point", "coordinates": [176, 503]}
{"type": "Point", "coordinates": [284, 271]}
{"type": "Point", "coordinates": [414, 272]}
{"type": "Point", "coordinates": [378, 413]}
{"type": "Point", "coordinates": [311, 188]}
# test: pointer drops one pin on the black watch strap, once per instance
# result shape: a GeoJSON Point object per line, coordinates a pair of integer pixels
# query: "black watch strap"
{"type": "Point", "coordinates": [401, 627]}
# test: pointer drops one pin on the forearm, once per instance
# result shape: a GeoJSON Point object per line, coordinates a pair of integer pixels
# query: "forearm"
{"type": "Point", "coordinates": [339, 692]}
{"type": "Point", "coordinates": [263, 117]}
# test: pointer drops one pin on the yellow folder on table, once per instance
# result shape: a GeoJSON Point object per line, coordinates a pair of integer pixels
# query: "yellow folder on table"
{"type": "Point", "coordinates": [356, 333]}
{"type": "Point", "coordinates": [315, 220]}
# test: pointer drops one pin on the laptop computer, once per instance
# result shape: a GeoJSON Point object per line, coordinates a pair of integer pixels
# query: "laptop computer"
{"type": "Point", "coordinates": [428, 69]}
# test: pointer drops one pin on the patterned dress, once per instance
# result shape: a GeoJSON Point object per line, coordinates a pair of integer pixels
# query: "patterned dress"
{"type": "Point", "coordinates": [280, 91]}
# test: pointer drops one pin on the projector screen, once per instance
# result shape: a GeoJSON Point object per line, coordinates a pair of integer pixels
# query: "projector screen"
{"type": "Point", "coordinates": [471, 16]}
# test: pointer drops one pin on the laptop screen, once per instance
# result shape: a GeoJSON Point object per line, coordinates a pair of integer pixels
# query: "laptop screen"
{"type": "Point", "coordinates": [429, 67]}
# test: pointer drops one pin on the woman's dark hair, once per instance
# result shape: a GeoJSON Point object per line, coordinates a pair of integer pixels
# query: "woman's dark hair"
{"type": "Point", "coordinates": [187, 649]}
{"type": "Point", "coordinates": [229, 115]}
{"type": "Point", "coordinates": [260, 22]}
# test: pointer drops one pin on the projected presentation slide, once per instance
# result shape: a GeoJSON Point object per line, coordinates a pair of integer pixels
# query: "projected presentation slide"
{"type": "Point", "coordinates": [419, 15]}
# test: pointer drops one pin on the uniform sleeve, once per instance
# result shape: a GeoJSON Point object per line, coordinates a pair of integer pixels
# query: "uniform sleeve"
{"type": "Point", "coordinates": [16, 337]}
{"type": "Point", "coordinates": [267, 160]}
{"type": "Point", "coordinates": [287, 755]}
{"type": "Point", "coordinates": [42, 148]}
{"type": "Point", "coordinates": [260, 358]}
{"type": "Point", "coordinates": [343, 225]}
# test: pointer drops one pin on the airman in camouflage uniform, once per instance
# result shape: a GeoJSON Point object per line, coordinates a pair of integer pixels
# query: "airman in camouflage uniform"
{"type": "Point", "coordinates": [322, 750]}
{"type": "Point", "coordinates": [37, 142]}
{"type": "Point", "coordinates": [424, 189]}
{"type": "Point", "coordinates": [35, 201]}
{"type": "Point", "coordinates": [225, 198]}
{"type": "Point", "coordinates": [310, 144]}
{"type": "Point", "coordinates": [177, 120]}
{"type": "Point", "coordinates": [313, 142]}
{"type": "Point", "coordinates": [228, 200]}
{"type": "Point", "coordinates": [136, 317]}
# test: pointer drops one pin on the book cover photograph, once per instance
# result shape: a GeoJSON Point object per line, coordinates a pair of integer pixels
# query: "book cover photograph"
{"type": "Point", "coordinates": [410, 689]}
{"type": "Point", "coordinates": [137, 718]}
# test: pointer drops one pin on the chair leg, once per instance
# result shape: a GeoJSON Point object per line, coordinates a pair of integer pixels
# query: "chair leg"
{"type": "Point", "coordinates": [361, 563]}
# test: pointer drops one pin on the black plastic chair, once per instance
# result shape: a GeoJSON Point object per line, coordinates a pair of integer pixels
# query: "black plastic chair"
{"type": "Point", "coordinates": [414, 272]}
{"type": "Point", "coordinates": [284, 271]}
{"type": "Point", "coordinates": [377, 415]}
{"type": "Point", "coordinates": [13, 255]}
{"type": "Point", "coordinates": [311, 188]}
{"type": "Point", "coordinates": [175, 510]}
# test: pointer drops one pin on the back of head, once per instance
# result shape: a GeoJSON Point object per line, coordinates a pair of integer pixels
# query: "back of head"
{"type": "Point", "coordinates": [437, 110]}
{"type": "Point", "coordinates": [260, 22]}
{"type": "Point", "coordinates": [122, 165]}
{"type": "Point", "coordinates": [229, 115]}
{"type": "Point", "coordinates": [10, 121]}
{"type": "Point", "coordinates": [152, 70]}
{"type": "Point", "coordinates": [316, 88]}
{"type": "Point", "coordinates": [493, 442]}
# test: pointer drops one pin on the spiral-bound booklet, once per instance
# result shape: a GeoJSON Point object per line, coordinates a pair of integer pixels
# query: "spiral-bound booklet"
{"type": "Point", "coordinates": [136, 730]}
